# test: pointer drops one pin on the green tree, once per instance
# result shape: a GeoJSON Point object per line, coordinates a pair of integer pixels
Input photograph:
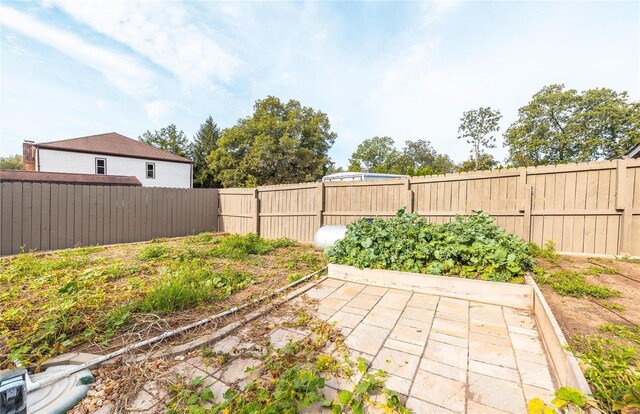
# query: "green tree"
{"type": "Point", "coordinates": [561, 126]}
{"type": "Point", "coordinates": [168, 139]}
{"type": "Point", "coordinates": [11, 162]}
{"type": "Point", "coordinates": [485, 162]}
{"type": "Point", "coordinates": [279, 143]}
{"type": "Point", "coordinates": [442, 164]}
{"type": "Point", "coordinates": [377, 154]}
{"type": "Point", "coordinates": [416, 158]}
{"type": "Point", "coordinates": [476, 126]}
{"type": "Point", "coordinates": [332, 168]}
{"type": "Point", "coordinates": [205, 141]}
{"type": "Point", "coordinates": [417, 154]}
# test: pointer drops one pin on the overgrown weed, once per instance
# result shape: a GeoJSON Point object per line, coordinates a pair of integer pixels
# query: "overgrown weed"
{"type": "Point", "coordinates": [568, 283]}
{"type": "Point", "coordinates": [190, 286]}
{"type": "Point", "coordinates": [611, 370]}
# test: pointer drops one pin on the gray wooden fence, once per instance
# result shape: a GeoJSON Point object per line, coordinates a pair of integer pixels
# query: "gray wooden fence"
{"type": "Point", "coordinates": [38, 216]}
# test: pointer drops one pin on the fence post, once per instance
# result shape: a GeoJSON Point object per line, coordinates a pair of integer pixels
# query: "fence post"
{"type": "Point", "coordinates": [319, 204]}
{"type": "Point", "coordinates": [256, 211]}
{"type": "Point", "coordinates": [623, 203]}
{"type": "Point", "coordinates": [216, 209]}
{"type": "Point", "coordinates": [408, 197]}
{"type": "Point", "coordinates": [528, 198]}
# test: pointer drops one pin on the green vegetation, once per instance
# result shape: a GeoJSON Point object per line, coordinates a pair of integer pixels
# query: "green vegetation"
{"type": "Point", "coordinates": [561, 125]}
{"type": "Point", "coordinates": [52, 302]}
{"type": "Point", "coordinates": [281, 142]}
{"type": "Point", "coordinates": [293, 379]}
{"type": "Point", "coordinates": [568, 283]}
{"type": "Point", "coordinates": [614, 306]}
{"type": "Point", "coordinates": [154, 251]}
{"type": "Point", "coordinates": [628, 259]}
{"type": "Point", "coordinates": [611, 368]}
{"type": "Point", "coordinates": [547, 252]}
{"type": "Point", "coordinates": [191, 285]}
{"type": "Point", "coordinates": [566, 399]}
{"type": "Point", "coordinates": [379, 155]}
{"type": "Point", "coordinates": [11, 162]}
{"type": "Point", "coordinates": [600, 270]}
{"type": "Point", "coordinates": [472, 247]}
{"type": "Point", "coordinates": [477, 127]}
{"type": "Point", "coordinates": [626, 332]}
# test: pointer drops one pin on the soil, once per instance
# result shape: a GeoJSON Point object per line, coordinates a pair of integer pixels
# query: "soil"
{"type": "Point", "coordinates": [582, 316]}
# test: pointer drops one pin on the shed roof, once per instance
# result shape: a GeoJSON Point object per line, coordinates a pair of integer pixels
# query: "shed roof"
{"type": "Point", "coordinates": [67, 178]}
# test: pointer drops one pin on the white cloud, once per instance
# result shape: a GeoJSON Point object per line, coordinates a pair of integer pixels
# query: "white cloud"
{"type": "Point", "coordinates": [121, 70]}
{"type": "Point", "coordinates": [162, 32]}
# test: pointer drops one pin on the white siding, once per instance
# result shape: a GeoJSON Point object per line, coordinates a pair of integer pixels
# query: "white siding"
{"type": "Point", "coordinates": [168, 174]}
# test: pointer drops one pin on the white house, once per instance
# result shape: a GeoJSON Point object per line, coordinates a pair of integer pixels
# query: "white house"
{"type": "Point", "coordinates": [110, 154]}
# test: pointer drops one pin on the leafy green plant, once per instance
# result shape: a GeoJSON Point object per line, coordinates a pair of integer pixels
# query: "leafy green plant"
{"type": "Point", "coordinates": [568, 283]}
{"type": "Point", "coordinates": [614, 306]}
{"type": "Point", "coordinates": [189, 397]}
{"type": "Point", "coordinates": [567, 400]}
{"type": "Point", "coordinates": [205, 238]}
{"type": "Point", "coordinates": [599, 270]}
{"type": "Point", "coordinates": [294, 277]}
{"type": "Point", "coordinates": [154, 251]}
{"type": "Point", "coordinates": [471, 246]}
{"type": "Point", "coordinates": [293, 378]}
{"type": "Point", "coordinates": [547, 252]}
{"type": "Point", "coordinates": [611, 369]}
{"type": "Point", "coordinates": [627, 332]}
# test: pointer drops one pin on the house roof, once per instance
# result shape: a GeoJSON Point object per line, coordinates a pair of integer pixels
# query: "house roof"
{"type": "Point", "coordinates": [634, 152]}
{"type": "Point", "coordinates": [113, 143]}
{"type": "Point", "coordinates": [67, 178]}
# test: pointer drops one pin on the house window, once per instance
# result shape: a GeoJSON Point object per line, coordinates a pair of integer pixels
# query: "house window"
{"type": "Point", "coordinates": [151, 170]}
{"type": "Point", "coordinates": [101, 166]}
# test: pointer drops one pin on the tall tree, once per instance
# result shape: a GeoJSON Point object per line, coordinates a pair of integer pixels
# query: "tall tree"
{"type": "Point", "coordinates": [477, 126]}
{"type": "Point", "coordinates": [11, 162]}
{"type": "Point", "coordinates": [379, 155]}
{"type": "Point", "coordinates": [442, 164]}
{"type": "Point", "coordinates": [560, 126]}
{"type": "Point", "coordinates": [205, 141]}
{"type": "Point", "coordinates": [376, 154]}
{"type": "Point", "coordinates": [168, 139]}
{"type": "Point", "coordinates": [485, 162]}
{"type": "Point", "coordinates": [418, 154]}
{"type": "Point", "coordinates": [279, 143]}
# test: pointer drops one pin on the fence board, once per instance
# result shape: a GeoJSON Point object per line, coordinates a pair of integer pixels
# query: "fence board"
{"type": "Point", "coordinates": [54, 216]}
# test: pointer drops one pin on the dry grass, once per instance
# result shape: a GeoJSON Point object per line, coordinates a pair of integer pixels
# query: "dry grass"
{"type": "Point", "coordinates": [98, 297]}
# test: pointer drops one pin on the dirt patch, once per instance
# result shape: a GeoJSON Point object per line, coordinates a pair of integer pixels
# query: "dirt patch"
{"type": "Point", "coordinates": [583, 316]}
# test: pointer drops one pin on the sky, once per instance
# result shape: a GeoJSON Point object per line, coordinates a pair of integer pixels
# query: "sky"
{"type": "Point", "coordinates": [403, 69]}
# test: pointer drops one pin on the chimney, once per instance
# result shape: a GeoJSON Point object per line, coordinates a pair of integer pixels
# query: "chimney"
{"type": "Point", "coordinates": [28, 156]}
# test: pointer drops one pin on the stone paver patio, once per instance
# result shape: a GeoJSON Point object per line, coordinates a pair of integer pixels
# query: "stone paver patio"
{"type": "Point", "coordinates": [443, 355]}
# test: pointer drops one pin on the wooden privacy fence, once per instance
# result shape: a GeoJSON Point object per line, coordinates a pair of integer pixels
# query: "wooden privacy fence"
{"type": "Point", "coordinates": [54, 216]}
{"type": "Point", "coordinates": [587, 208]}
